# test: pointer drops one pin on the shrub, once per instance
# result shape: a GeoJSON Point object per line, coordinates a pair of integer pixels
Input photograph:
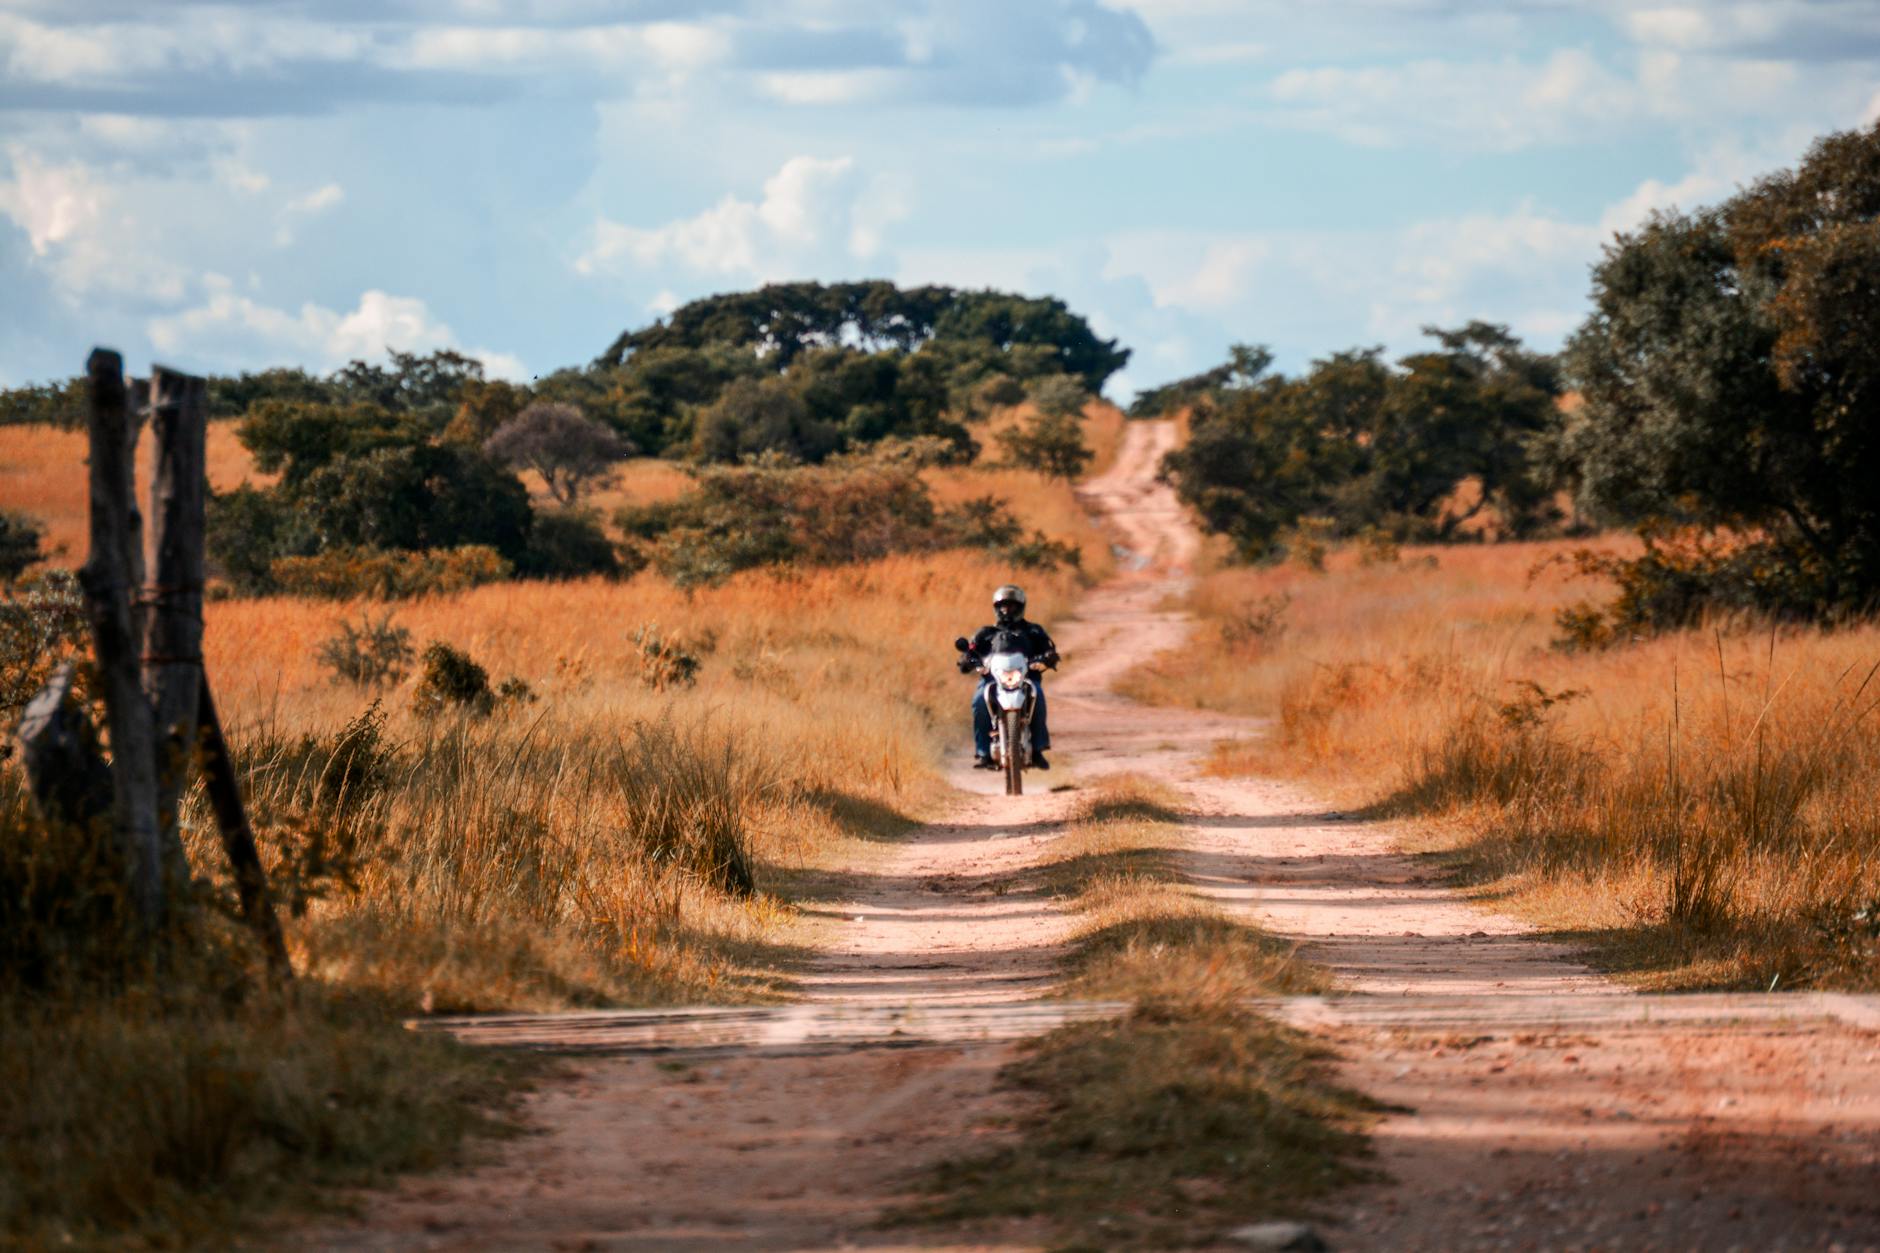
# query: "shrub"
{"type": "Point", "coordinates": [65, 916]}
{"type": "Point", "coordinates": [569, 544]}
{"type": "Point", "coordinates": [341, 574]}
{"type": "Point", "coordinates": [452, 681]}
{"type": "Point", "coordinates": [1260, 624]}
{"type": "Point", "coordinates": [250, 529]}
{"type": "Point", "coordinates": [1309, 542]}
{"type": "Point", "coordinates": [370, 654]}
{"type": "Point", "coordinates": [1059, 396]}
{"type": "Point", "coordinates": [665, 661]}
{"type": "Point", "coordinates": [20, 539]}
{"type": "Point", "coordinates": [986, 523]}
{"type": "Point", "coordinates": [1681, 577]}
{"type": "Point", "coordinates": [42, 623]}
{"type": "Point", "coordinates": [1050, 443]}
{"type": "Point", "coordinates": [850, 510]}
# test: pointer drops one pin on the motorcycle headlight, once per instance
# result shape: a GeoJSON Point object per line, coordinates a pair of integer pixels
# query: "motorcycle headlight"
{"type": "Point", "coordinates": [1011, 678]}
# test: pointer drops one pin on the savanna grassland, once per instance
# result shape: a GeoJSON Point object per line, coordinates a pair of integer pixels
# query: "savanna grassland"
{"type": "Point", "coordinates": [819, 708]}
{"type": "Point", "coordinates": [636, 829]}
{"type": "Point", "coordinates": [1695, 806]}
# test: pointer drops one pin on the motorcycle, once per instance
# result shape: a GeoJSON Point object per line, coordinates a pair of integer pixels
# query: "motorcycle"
{"type": "Point", "coordinates": [1010, 699]}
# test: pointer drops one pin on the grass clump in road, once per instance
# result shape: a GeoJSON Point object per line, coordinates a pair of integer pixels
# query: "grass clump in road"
{"type": "Point", "coordinates": [1190, 1114]}
{"type": "Point", "coordinates": [1163, 1129]}
{"type": "Point", "coordinates": [1144, 933]}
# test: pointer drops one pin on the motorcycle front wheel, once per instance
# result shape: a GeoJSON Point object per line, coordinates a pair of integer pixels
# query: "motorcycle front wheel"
{"type": "Point", "coordinates": [1014, 763]}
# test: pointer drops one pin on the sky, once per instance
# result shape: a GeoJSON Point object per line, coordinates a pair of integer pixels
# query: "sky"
{"type": "Point", "coordinates": [228, 186]}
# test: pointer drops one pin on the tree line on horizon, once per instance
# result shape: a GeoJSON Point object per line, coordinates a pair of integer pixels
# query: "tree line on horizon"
{"type": "Point", "coordinates": [404, 476]}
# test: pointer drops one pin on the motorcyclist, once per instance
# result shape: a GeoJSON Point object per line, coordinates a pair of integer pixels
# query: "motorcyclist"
{"type": "Point", "coordinates": [1008, 607]}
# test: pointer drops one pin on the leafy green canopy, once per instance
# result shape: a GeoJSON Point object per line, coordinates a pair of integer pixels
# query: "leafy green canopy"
{"type": "Point", "coordinates": [781, 321]}
{"type": "Point", "coordinates": [1730, 373]}
{"type": "Point", "coordinates": [1367, 445]}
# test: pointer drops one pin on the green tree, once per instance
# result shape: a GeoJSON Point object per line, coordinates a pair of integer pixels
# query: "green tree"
{"type": "Point", "coordinates": [427, 384]}
{"type": "Point", "coordinates": [1007, 322]}
{"type": "Point", "coordinates": [53, 404]}
{"type": "Point", "coordinates": [762, 415]}
{"type": "Point", "coordinates": [231, 397]}
{"type": "Point", "coordinates": [1245, 364]}
{"type": "Point", "coordinates": [483, 406]}
{"type": "Point", "coordinates": [294, 438]}
{"type": "Point", "coordinates": [1367, 445]}
{"type": "Point", "coordinates": [20, 540]}
{"type": "Point", "coordinates": [416, 496]}
{"type": "Point", "coordinates": [1730, 375]}
{"type": "Point", "coordinates": [1050, 442]}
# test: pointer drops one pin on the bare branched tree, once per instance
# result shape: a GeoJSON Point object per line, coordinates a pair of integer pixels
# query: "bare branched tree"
{"type": "Point", "coordinates": [569, 450]}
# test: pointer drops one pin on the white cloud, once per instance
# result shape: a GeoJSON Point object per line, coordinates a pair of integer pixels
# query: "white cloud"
{"type": "Point", "coordinates": [53, 203]}
{"type": "Point", "coordinates": [1499, 105]}
{"type": "Point", "coordinates": [1568, 97]}
{"type": "Point", "coordinates": [1820, 30]}
{"type": "Point", "coordinates": [674, 48]}
{"type": "Point", "coordinates": [234, 331]}
{"type": "Point", "coordinates": [813, 212]}
{"type": "Point", "coordinates": [828, 87]}
{"type": "Point", "coordinates": [304, 208]}
{"type": "Point", "coordinates": [83, 230]}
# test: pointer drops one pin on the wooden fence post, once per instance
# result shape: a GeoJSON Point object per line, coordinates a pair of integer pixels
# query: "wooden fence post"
{"type": "Point", "coordinates": [65, 772]}
{"type": "Point", "coordinates": [238, 838]}
{"type": "Point", "coordinates": [172, 653]}
{"type": "Point", "coordinates": [108, 579]}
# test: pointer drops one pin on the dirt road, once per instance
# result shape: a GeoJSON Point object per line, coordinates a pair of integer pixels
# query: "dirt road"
{"type": "Point", "coordinates": [1542, 1110]}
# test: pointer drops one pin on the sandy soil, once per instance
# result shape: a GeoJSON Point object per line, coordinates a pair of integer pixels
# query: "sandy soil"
{"type": "Point", "coordinates": [1513, 1135]}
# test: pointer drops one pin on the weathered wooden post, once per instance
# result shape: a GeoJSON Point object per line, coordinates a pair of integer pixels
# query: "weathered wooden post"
{"type": "Point", "coordinates": [172, 653]}
{"type": "Point", "coordinates": [109, 577]}
{"type": "Point", "coordinates": [65, 772]}
{"type": "Point", "coordinates": [238, 838]}
{"type": "Point", "coordinates": [147, 643]}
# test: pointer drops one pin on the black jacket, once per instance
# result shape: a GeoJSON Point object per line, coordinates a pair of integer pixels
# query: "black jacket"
{"type": "Point", "coordinates": [1029, 637]}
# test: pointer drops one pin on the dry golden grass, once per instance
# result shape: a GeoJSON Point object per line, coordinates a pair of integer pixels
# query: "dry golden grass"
{"type": "Point", "coordinates": [42, 473]}
{"type": "Point", "coordinates": [833, 687]}
{"type": "Point", "coordinates": [641, 481]}
{"type": "Point", "coordinates": [1697, 805]}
